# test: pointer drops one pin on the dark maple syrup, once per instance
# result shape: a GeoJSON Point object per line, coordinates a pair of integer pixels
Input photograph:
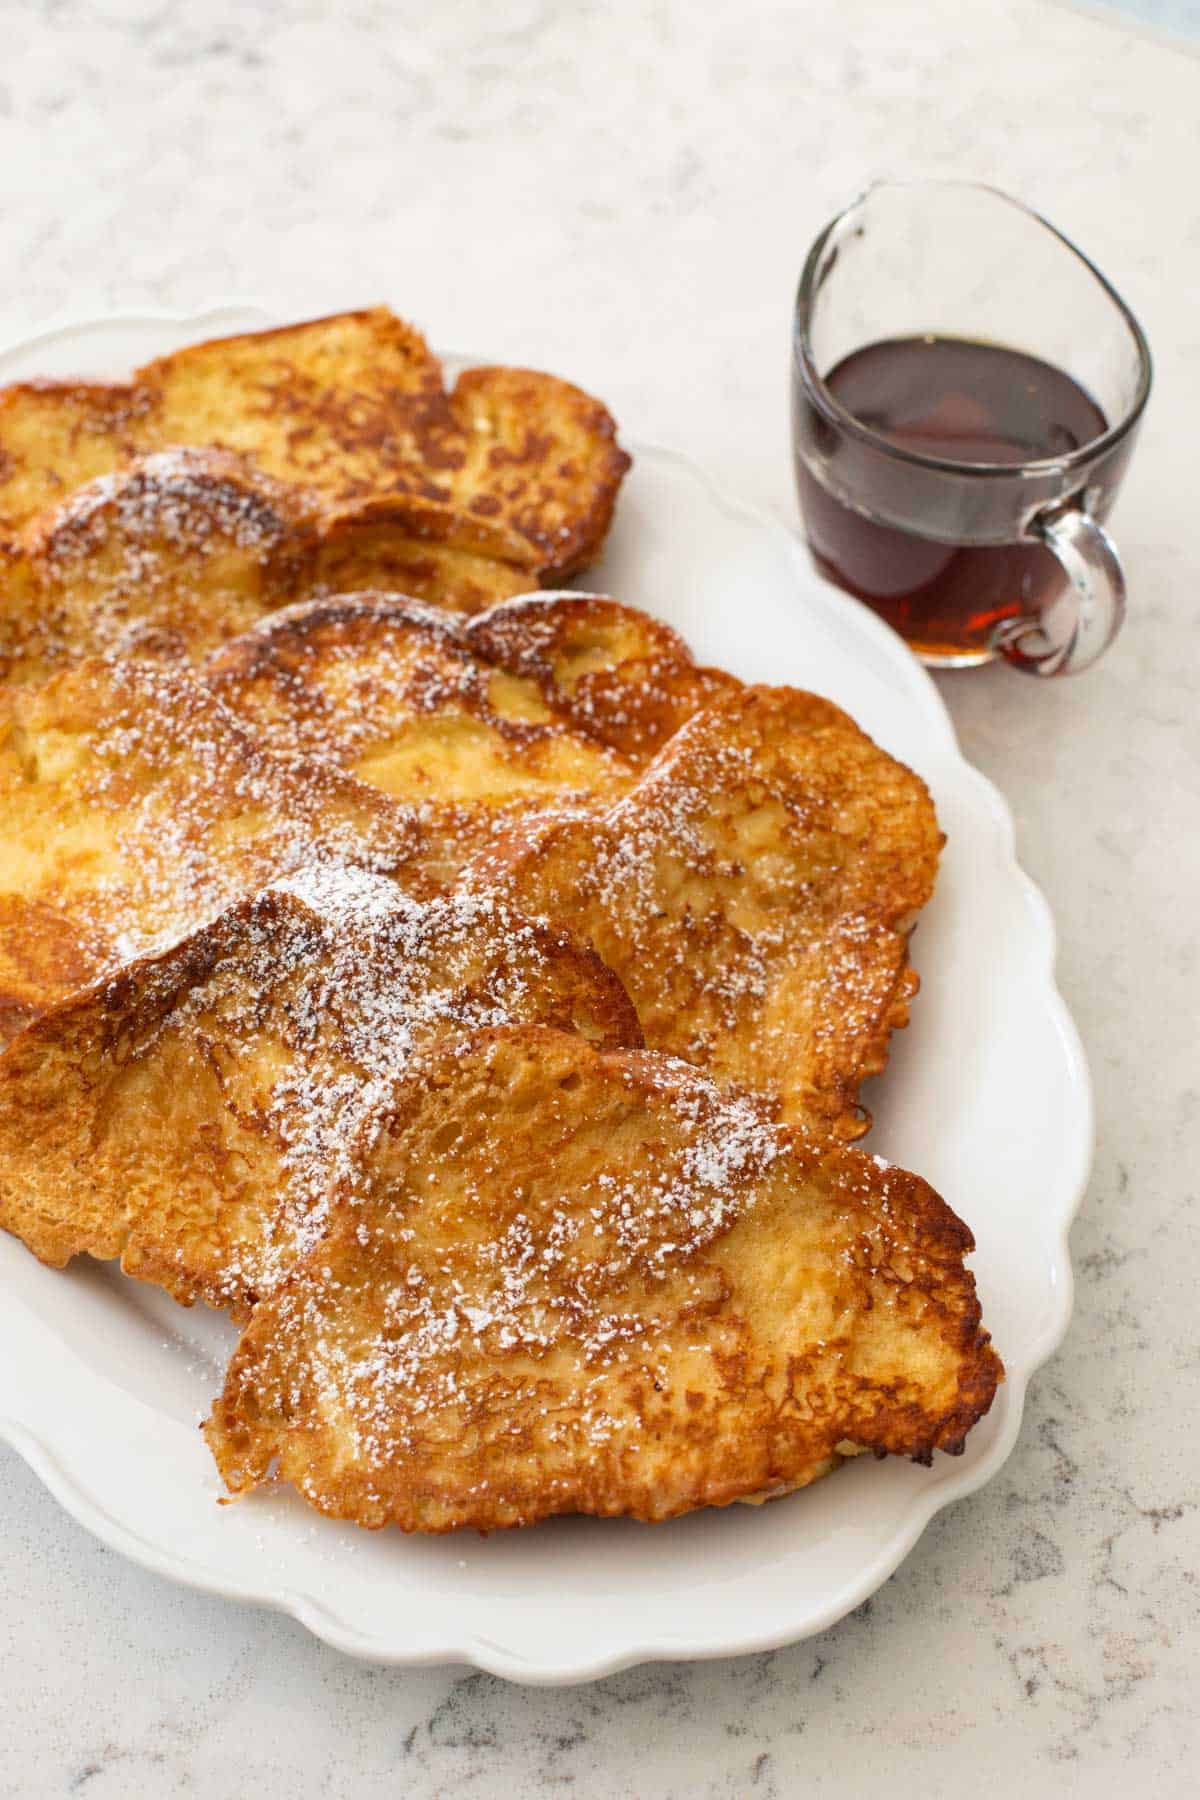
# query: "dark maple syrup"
{"type": "Point", "coordinates": [964, 402]}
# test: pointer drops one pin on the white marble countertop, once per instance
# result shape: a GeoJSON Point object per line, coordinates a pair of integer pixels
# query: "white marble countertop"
{"type": "Point", "coordinates": [624, 192]}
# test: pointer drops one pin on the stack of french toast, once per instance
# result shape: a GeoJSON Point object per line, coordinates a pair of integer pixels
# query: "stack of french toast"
{"type": "Point", "coordinates": [439, 970]}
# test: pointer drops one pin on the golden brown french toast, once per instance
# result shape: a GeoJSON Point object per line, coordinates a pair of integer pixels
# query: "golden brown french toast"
{"type": "Point", "coordinates": [57, 435]}
{"type": "Point", "coordinates": [180, 550]}
{"type": "Point", "coordinates": [164, 559]}
{"type": "Point", "coordinates": [128, 796]}
{"type": "Point", "coordinates": [754, 891]}
{"type": "Point", "coordinates": [424, 550]}
{"type": "Point", "coordinates": [188, 1113]}
{"type": "Point", "coordinates": [567, 1281]}
{"type": "Point", "coordinates": [619, 674]}
{"type": "Point", "coordinates": [388, 690]}
{"type": "Point", "coordinates": [540, 456]}
{"type": "Point", "coordinates": [578, 671]}
{"type": "Point", "coordinates": [133, 807]}
{"type": "Point", "coordinates": [352, 407]}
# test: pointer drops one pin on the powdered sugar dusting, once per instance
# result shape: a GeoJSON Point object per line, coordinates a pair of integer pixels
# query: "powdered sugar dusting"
{"type": "Point", "coordinates": [314, 996]}
{"type": "Point", "coordinates": [753, 892]}
{"type": "Point", "coordinates": [181, 811]}
{"type": "Point", "coordinates": [569, 1265]}
{"type": "Point", "coordinates": [164, 558]}
{"type": "Point", "coordinates": [179, 500]}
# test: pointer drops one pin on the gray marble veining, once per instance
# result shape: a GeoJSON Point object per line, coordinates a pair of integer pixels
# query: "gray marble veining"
{"type": "Point", "coordinates": [624, 192]}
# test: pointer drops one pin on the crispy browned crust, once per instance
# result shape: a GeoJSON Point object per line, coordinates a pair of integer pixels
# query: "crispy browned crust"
{"type": "Point", "coordinates": [424, 521]}
{"type": "Point", "coordinates": [187, 1113]}
{"type": "Point", "coordinates": [583, 663]}
{"type": "Point", "coordinates": [133, 807]}
{"type": "Point", "coordinates": [57, 435]}
{"type": "Point", "coordinates": [754, 891]}
{"type": "Point", "coordinates": [754, 887]}
{"type": "Point", "coordinates": [568, 1282]}
{"type": "Point", "coordinates": [389, 691]}
{"type": "Point", "coordinates": [542, 456]}
{"type": "Point", "coordinates": [294, 649]}
{"type": "Point", "coordinates": [424, 550]}
{"type": "Point", "coordinates": [180, 550]}
{"type": "Point", "coordinates": [351, 407]}
{"type": "Point", "coordinates": [624, 677]}
{"type": "Point", "coordinates": [162, 560]}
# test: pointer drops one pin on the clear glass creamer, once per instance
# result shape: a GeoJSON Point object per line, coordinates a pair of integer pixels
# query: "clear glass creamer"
{"type": "Point", "coordinates": [967, 388]}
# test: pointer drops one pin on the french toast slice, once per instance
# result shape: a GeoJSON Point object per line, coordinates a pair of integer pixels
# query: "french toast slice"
{"type": "Point", "coordinates": [621, 676]}
{"type": "Point", "coordinates": [182, 549]}
{"type": "Point", "coordinates": [540, 456]}
{"type": "Point", "coordinates": [352, 407]}
{"type": "Point", "coordinates": [561, 1280]}
{"type": "Point", "coordinates": [424, 550]}
{"type": "Point", "coordinates": [388, 690]}
{"type": "Point", "coordinates": [187, 1113]}
{"type": "Point", "coordinates": [133, 807]}
{"type": "Point", "coordinates": [327, 677]}
{"type": "Point", "coordinates": [163, 559]}
{"type": "Point", "coordinates": [754, 891]}
{"type": "Point", "coordinates": [349, 406]}
{"type": "Point", "coordinates": [57, 435]}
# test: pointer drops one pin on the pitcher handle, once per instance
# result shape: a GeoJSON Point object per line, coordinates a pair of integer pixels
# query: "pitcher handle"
{"type": "Point", "coordinates": [1082, 622]}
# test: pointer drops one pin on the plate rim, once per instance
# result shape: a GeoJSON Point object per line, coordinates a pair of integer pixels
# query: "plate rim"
{"type": "Point", "coordinates": [68, 1485]}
